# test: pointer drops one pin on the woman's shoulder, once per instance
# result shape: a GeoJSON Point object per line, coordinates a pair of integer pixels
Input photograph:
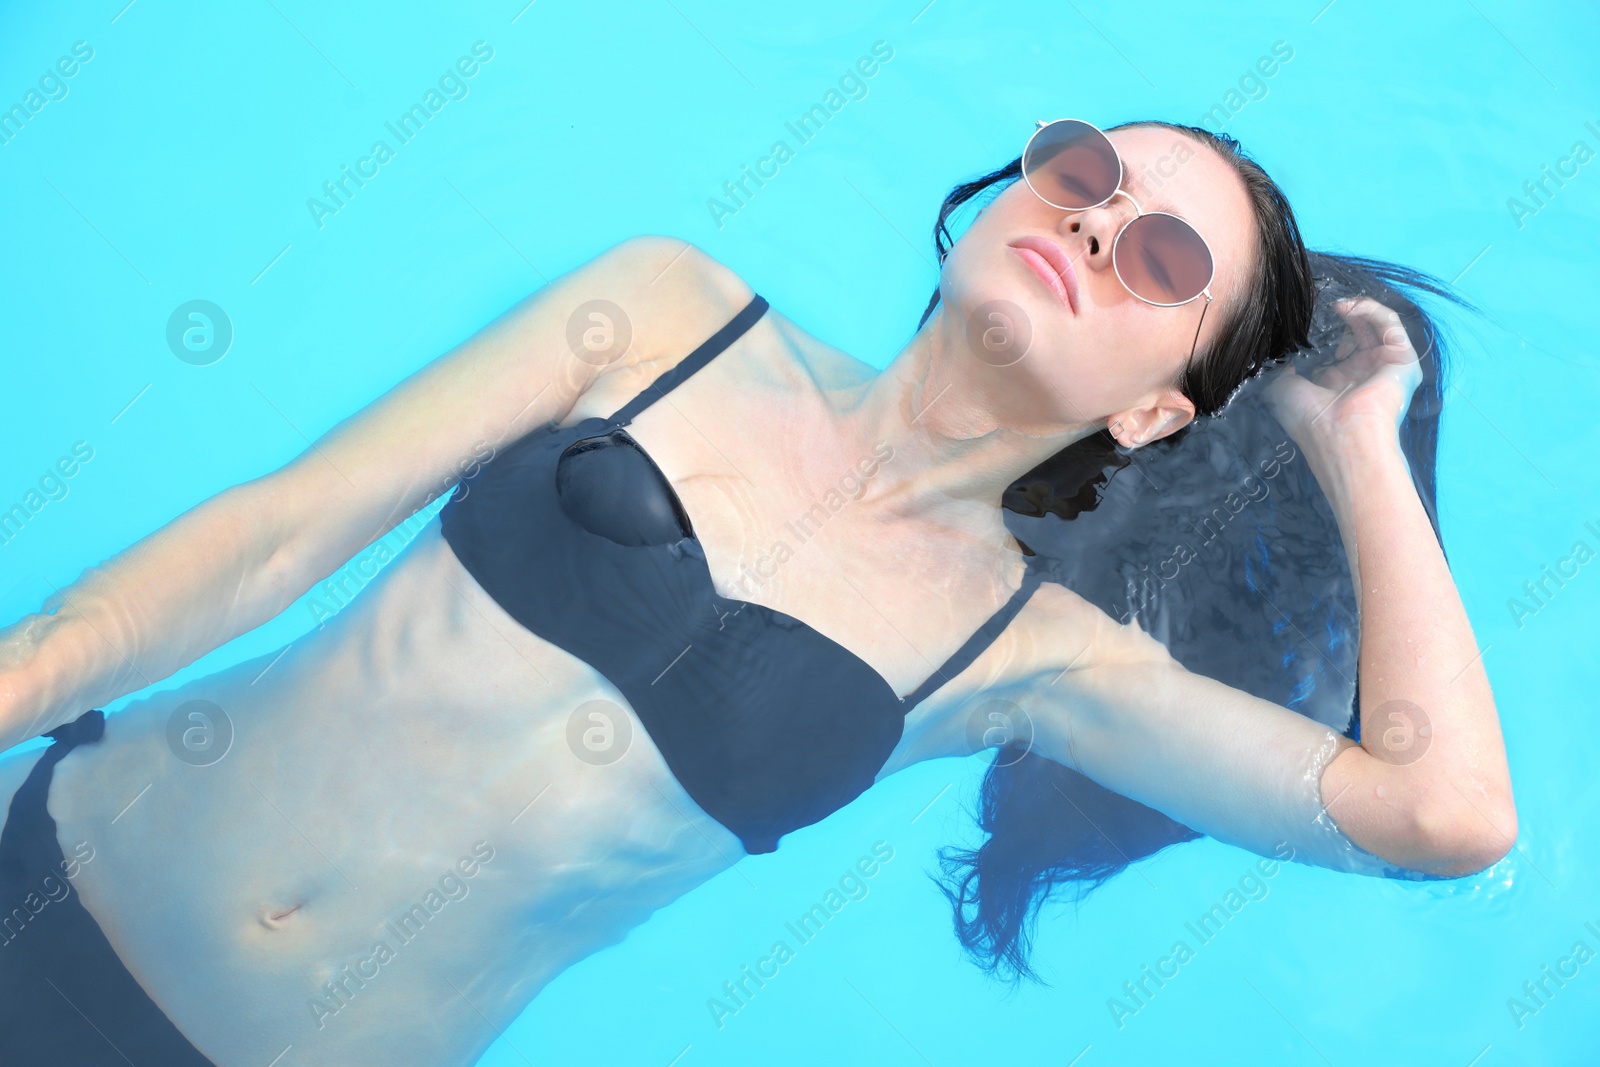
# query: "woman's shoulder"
{"type": "Point", "coordinates": [692, 295]}
{"type": "Point", "coordinates": [686, 287]}
{"type": "Point", "coordinates": [664, 293]}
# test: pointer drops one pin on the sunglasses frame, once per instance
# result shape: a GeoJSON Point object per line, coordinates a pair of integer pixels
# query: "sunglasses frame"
{"type": "Point", "coordinates": [1141, 213]}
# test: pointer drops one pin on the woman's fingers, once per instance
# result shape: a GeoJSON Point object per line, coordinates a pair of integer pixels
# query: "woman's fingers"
{"type": "Point", "coordinates": [1375, 371]}
{"type": "Point", "coordinates": [1378, 329]}
{"type": "Point", "coordinates": [1356, 321]}
{"type": "Point", "coordinates": [1346, 345]}
{"type": "Point", "coordinates": [1374, 347]}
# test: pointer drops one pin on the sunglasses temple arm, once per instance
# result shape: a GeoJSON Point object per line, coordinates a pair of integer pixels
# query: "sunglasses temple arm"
{"type": "Point", "coordinates": [1196, 343]}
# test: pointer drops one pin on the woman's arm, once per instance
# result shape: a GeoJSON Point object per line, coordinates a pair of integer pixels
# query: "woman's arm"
{"type": "Point", "coordinates": [238, 559]}
{"type": "Point", "coordinates": [1420, 666]}
{"type": "Point", "coordinates": [1254, 773]}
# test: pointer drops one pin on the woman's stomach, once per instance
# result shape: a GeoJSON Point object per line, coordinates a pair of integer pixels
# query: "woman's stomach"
{"type": "Point", "coordinates": [385, 840]}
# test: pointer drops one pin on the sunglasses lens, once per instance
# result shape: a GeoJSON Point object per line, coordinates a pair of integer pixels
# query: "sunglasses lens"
{"type": "Point", "coordinates": [1161, 259]}
{"type": "Point", "coordinates": [1071, 165]}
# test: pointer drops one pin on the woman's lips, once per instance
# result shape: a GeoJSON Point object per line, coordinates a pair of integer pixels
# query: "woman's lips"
{"type": "Point", "coordinates": [1053, 267]}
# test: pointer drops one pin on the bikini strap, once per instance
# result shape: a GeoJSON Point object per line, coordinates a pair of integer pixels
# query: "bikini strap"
{"type": "Point", "coordinates": [978, 642]}
{"type": "Point", "coordinates": [713, 345]}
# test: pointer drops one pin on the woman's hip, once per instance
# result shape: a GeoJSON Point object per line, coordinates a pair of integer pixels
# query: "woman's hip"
{"type": "Point", "coordinates": [67, 997]}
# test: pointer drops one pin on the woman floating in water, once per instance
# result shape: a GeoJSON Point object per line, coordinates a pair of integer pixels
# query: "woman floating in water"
{"type": "Point", "coordinates": [705, 579]}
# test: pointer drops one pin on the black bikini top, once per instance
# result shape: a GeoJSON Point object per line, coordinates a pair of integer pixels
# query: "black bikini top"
{"type": "Point", "coordinates": [766, 723]}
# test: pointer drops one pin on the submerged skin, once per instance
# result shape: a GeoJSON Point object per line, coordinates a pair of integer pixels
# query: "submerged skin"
{"type": "Point", "coordinates": [422, 719]}
{"type": "Point", "coordinates": [422, 727]}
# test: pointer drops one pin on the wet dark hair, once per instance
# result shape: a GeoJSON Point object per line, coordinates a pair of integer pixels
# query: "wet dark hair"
{"type": "Point", "coordinates": [1253, 589]}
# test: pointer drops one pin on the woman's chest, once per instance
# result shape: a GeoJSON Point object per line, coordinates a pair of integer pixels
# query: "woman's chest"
{"type": "Point", "coordinates": [782, 496]}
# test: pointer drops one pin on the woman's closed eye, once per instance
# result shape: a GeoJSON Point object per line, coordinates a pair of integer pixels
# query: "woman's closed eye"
{"type": "Point", "coordinates": [1077, 190]}
{"type": "Point", "coordinates": [1157, 270]}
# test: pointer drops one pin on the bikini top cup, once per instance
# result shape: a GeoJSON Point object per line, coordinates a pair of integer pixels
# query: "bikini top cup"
{"type": "Point", "coordinates": [767, 724]}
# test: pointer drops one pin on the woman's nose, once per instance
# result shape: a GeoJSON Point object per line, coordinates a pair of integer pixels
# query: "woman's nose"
{"type": "Point", "coordinates": [1094, 231]}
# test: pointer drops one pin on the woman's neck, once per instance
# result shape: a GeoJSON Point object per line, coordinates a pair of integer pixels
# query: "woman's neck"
{"type": "Point", "coordinates": [955, 452]}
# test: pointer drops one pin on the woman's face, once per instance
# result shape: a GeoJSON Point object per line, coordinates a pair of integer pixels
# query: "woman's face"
{"type": "Point", "coordinates": [1112, 360]}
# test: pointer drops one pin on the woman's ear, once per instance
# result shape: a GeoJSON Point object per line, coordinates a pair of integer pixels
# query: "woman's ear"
{"type": "Point", "coordinates": [1166, 414]}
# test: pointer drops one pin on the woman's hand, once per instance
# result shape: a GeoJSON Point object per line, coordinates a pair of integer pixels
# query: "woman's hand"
{"type": "Point", "coordinates": [1364, 393]}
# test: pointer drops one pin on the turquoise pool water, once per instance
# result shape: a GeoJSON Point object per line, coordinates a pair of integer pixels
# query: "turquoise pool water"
{"type": "Point", "coordinates": [184, 159]}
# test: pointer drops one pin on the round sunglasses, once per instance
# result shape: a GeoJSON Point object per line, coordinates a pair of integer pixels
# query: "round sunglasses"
{"type": "Point", "coordinates": [1157, 256]}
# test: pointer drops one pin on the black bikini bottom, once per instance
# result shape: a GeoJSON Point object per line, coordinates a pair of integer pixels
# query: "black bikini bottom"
{"type": "Point", "coordinates": [65, 997]}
